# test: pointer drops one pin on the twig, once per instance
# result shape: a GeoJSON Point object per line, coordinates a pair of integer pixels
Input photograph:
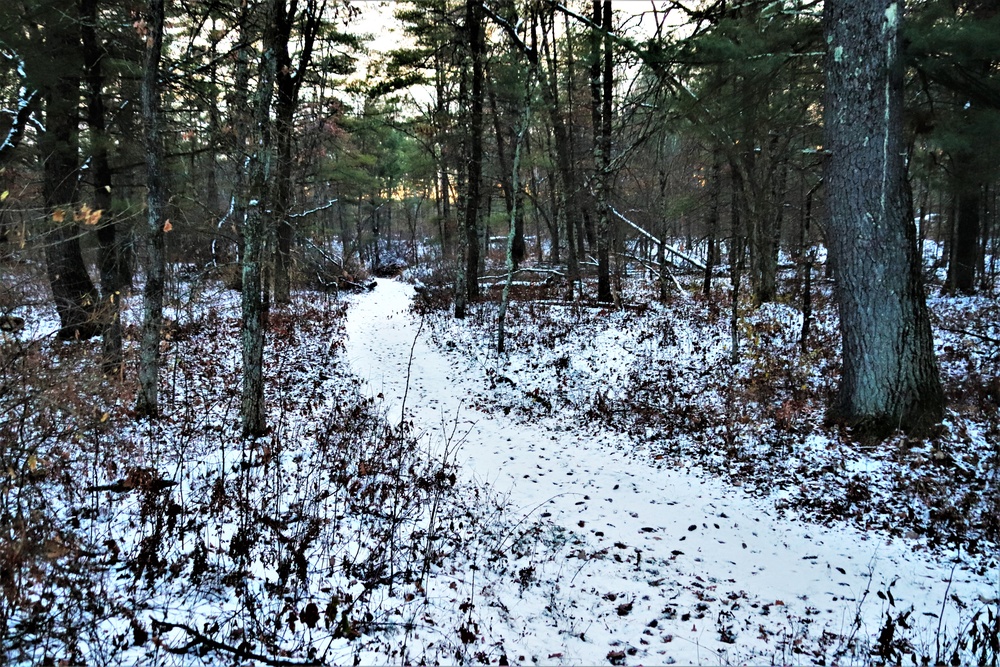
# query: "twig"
{"type": "Point", "coordinates": [409, 367]}
{"type": "Point", "coordinates": [856, 624]}
{"type": "Point", "coordinates": [944, 600]}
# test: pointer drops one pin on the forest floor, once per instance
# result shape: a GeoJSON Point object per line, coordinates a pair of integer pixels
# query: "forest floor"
{"type": "Point", "coordinates": [613, 490]}
{"type": "Point", "coordinates": [689, 511]}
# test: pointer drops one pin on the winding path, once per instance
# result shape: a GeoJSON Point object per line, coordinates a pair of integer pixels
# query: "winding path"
{"type": "Point", "coordinates": [710, 573]}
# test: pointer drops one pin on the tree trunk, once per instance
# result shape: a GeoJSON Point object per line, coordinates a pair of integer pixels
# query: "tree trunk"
{"type": "Point", "coordinates": [964, 254]}
{"type": "Point", "coordinates": [111, 262]}
{"type": "Point", "coordinates": [890, 377]}
{"type": "Point", "coordinates": [285, 233]}
{"type": "Point", "coordinates": [152, 295]}
{"type": "Point", "coordinates": [255, 227]}
{"type": "Point", "coordinates": [76, 298]}
{"type": "Point", "coordinates": [474, 27]}
{"type": "Point", "coordinates": [808, 255]}
{"type": "Point", "coordinates": [602, 86]}
{"type": "Point", "coordinates": [714, 195]}
{"type": "Point", "coordinates": [289, 84]}
{"type": "Point", "coordinates": [521, 131]}
{"type": "Point", "coordinates": [570, 196]}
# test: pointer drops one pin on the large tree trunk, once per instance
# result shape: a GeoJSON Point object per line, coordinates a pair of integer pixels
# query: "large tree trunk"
{"type": "Point", "coordinates": [73, 291]}
{"type": "Point", "coordinates": [152, 295]}
{"type": "Point", "coordinates": [890, 377]}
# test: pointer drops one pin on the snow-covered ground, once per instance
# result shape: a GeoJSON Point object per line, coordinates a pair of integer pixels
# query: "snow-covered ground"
{"type": "Point", "coordinates": [572, 534]}
{"type": "Point", "coordinates": [630, 562]}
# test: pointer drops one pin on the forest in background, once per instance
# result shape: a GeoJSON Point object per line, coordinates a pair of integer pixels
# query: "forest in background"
{"type": "Point", "coordinates": [585, 141]}
{"type": "Point", "coordinates": [834, 159]}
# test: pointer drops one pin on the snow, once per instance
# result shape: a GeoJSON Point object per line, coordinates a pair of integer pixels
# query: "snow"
{"type": "Point", "coordinates": [664, 564]}
{"type": "Point", "coordinates": [568, 538]}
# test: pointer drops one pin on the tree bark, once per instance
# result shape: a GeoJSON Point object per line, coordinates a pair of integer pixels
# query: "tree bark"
{"type": "Point", "coordinates": [715, 196]}
{"type": "Point", "coordinates": [152, 295]}
{"type": "Point", "coordinates": [73, 291]}
{"type": "Point", "coordinates": [602, 86]}
{"type": "Point", "coordinates": [890, 377]}
{"type": "Point", "coordinates": [255, 226]}
{"type": "Point", "coordinates": [474, 28]}
{"type": "Point", "coordinates": [570, 195]}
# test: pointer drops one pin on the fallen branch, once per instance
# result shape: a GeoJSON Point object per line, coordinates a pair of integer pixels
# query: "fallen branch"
{"type": "Point", "coordinates": [666, 246]}
{"type": "Point", "coordinates": [238, 651]}
{"type": "Point", "coordinates": [314, 210]}
{"type": "Point", "coordinates": [966, 332]}
{"type": "Point", "coordinates": [654, 265]}
{"type": "Point", "coordinates": [324, 254]}
{"type": "Point", "coordinates": [528, 269]}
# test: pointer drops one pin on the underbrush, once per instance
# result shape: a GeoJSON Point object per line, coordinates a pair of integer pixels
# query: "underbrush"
{"type": "Point", "coordinates": [175, 541]}
{"type": "Point", "coordinates": [664, 373]}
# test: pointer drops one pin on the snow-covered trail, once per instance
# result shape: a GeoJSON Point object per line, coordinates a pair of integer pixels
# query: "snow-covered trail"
{"type": "Point", "coordinates": [710, 572]}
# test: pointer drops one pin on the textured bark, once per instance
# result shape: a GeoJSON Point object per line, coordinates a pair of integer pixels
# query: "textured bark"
{"type": "Point", "coordinates": [240, 120]}
{"type": "Point", "coordinates": [760, 209]}
{"type": "Point", "coordinates": [285, 104]}
{"type": "Point", "coordinates": [808, 258]}
{"type": "Point", "coordinates": [602, 87]}
{"type": "Point", "coordinates": [255, 226]}
{"type": "Point", "coordinates": [152, 295]}
{"type": "Point", "coordinates": [441, 131]}
{"type": "Point", "coordinates": [512, 229]}
{"type": "Point", "coordinates": [474, 27]}
{"type": "Point", "coordinates": [461, 279]}
{"type": "Point", "coordinates": [513, 196]}
{"type": "Point", "coordinates": [27, 105]}
{"type": "Point", "coordinates": [73, 291]}
{"type": "Point", "coordinates": [890, 377]}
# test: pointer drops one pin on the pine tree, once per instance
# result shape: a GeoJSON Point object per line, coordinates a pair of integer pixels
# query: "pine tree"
{"type": "Point", "coordinates": [890, 377]}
